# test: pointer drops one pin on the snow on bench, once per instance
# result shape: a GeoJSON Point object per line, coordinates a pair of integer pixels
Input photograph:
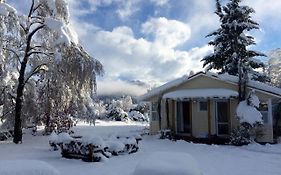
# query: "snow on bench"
{"type": "Point", "coordinates": [93, 149]}
{"type": "Point", "coordinates": [168, 163]}
{"type": "Point", "coordinates": [26, 167]}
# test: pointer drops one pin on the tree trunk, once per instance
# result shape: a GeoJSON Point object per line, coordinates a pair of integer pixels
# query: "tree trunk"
{"type": "Point", "coordinates": [48, 112]}
{"type": "Point", "coordinates": [17, 126]}
{"type": "Point", "coordinates": [242, 83]}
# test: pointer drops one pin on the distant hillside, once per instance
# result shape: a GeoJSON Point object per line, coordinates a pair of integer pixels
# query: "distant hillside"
{"type": "Point", "coordinates": [274, 66]}
{"type": "Point", "coordinates": [274, 56]}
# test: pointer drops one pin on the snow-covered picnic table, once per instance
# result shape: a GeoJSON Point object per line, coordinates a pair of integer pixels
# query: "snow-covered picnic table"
{"type": "Point", "coordinates": [168, 163]}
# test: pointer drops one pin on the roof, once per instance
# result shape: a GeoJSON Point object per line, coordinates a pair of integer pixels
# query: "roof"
{"type": "Point", "coordinates": [223, 77]}
{"type": "Point", "coordinates": [201, 93]}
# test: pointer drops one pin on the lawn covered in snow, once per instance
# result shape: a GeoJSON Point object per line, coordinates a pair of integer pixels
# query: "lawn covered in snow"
{"type": "Point", "coordinates": [253, 159]}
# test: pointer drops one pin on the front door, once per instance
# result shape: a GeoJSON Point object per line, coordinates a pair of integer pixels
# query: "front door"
{"type": "Point", "coordinates": [222, 118]}
{"type": "Point", "coordinates": [183, 117]}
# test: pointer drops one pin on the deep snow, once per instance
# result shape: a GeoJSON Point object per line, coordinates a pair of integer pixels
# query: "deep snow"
{"type": "Point", "coordinates": [212, 159]}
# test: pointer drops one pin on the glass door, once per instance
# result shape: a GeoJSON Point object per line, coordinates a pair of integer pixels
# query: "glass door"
{"type": "Point", "coordinates": [222, 118]}
{"type": "Point", "coordinates": [183, 117]}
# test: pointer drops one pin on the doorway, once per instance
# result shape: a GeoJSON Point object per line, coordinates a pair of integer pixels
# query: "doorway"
{"type": "Point", "coordinates": [183, 117]}
{"type": "Point", "coordinates": [222, 118]}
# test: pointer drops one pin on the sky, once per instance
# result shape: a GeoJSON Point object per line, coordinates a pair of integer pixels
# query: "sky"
{"type": "Point", "coordinates": [145, 43]}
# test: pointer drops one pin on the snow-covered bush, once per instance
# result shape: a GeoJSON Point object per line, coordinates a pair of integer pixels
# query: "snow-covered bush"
{"type": "Point", "coordinates": [122, 109]}
{"type": "Point", "coordinates": [250, 121]}
{"type": "Point", "coordinates": [141, 107]}
{"type": "Point", "coordinates": [137, 116]}
{"type": "Point", "coordinates": [59, 123]}
{"type": "Point", "coordinates": [117, 114]}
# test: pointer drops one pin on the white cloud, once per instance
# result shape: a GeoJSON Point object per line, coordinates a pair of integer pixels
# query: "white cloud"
{"type": "Point", "coordinates": [116, 87]}
{"type": "Point", "coordinates": [266, 11]}
{"type": "Point", "coordinates": [201, 18]}
{"type": "Point", "coordinates": [160, 2]}
{"type": "Point", "coordinates": [127, 8]}
{"type": "Point", "coordinates": [168, 33]}
{"type": "Point", "coordinates": [122, 54]}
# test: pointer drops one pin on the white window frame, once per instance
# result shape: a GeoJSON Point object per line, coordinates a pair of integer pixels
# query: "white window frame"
{"type": "Point", "coordinates": [153, 111]}
{"type": "Point", "coordinates": [269, 113]}
{"type": "Point", "coordinates": [216, 118]}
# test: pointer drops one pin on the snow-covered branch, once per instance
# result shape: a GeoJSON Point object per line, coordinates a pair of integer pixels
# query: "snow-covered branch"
{"type": "Point", "coordinates": [36, 70]}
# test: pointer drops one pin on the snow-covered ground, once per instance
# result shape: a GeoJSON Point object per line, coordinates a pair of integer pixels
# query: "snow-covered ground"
{"type": "Point", "coordinates": [211, 159]}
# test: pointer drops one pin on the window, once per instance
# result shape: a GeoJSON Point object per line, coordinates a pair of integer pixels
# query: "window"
{"type": "Point", "coordinates": [203, 106]}
{"type": "Point", "coordinates": [264, 111]}
{"type": "Point", "coordinates": [154, 113]}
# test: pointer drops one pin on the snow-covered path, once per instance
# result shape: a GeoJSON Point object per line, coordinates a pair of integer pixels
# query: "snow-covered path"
{"type": "Point", "coordinates": [212, 159]}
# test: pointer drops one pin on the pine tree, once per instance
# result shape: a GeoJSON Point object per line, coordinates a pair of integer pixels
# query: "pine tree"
{"type": "Point", "coordinates": [231, 54]}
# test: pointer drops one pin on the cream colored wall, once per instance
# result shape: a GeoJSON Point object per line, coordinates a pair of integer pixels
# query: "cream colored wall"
{"type": "Point", "coordinates": [199, 121]}
{"type": "Point", "coordinates": [153, 125]}
{"type": "Point", "coordinates": [203, 82]}
{"type": "Point", "coordinates": [163, 114]}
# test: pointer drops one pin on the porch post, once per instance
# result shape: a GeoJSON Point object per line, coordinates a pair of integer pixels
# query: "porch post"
{"type": "Point", "coordinates": [270, 117]}
{"type": "Point", "coordinates": [229, 116]}
{"type": "Point", "coordinates": [167, 114]}
{"type": "Point", "coordinates": [209, 118]}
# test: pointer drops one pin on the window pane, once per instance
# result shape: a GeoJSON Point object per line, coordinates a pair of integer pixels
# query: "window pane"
{"type": "Point", "coordinates": [179, 118]}
{"type": "Point", "coordinates": [222, 111]}
{"type": "Point", "coordinates": [203, 106]}
{"type": "Point", "coordinates": [183, 117]}
{"type": "Point", "coordinates": [154, 116]}
{"type": "Point", "coordinates": [154, 106]}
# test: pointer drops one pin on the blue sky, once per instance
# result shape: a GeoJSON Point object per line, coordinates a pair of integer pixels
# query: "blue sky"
{"type": "Point", "coordinates": [155, 41]}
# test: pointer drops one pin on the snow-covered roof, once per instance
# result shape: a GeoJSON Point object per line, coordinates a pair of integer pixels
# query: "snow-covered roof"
{"type": "Point", "coordinates": [201, 93]}
{"type": "Point", "coordinates": [251, 83]}
{"type": "Point", "coordinates": [223, 77]}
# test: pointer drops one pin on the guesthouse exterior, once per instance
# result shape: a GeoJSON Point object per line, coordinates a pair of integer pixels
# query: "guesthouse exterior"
{"type": "Point", "coordinates": [202, 107]}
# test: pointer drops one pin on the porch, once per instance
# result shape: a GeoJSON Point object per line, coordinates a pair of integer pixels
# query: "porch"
{"type": "Point", "coordinates": [200, 115]}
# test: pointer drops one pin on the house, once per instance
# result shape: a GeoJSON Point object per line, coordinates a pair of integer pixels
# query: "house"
{"type": "Point", "coordinates": [202, 107]}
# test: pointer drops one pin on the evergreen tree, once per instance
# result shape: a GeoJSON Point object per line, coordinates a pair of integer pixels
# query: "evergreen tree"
{"type": "Point", "coordinates": [231, 54]}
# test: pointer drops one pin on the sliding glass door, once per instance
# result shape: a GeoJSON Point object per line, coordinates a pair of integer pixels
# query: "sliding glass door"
{"type": "Point", "coordinates": [222, 118]}
{"type": "Point", "coordinates": [183, 117]}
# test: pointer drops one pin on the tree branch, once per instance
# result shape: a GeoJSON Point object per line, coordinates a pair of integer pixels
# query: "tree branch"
{"type": "Point", "coordinates": [36, 22]}
{"type": "Point", "coordinates": [31, 9]}
{"type": "Point", "coordinates": [30, 35]}
{"type": "Point", "coordinates": [36, 70]}
{"type": "Point", "coordinates": [39, 52]}
{"type": "Point", "coordinates": [9, 111]}
{"type": "Point", "coordinates": [14, 52]}
{"type": "Point", "coordinates": [39, 5]}
{"type": "Point", "coordinates": [23, 28]}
